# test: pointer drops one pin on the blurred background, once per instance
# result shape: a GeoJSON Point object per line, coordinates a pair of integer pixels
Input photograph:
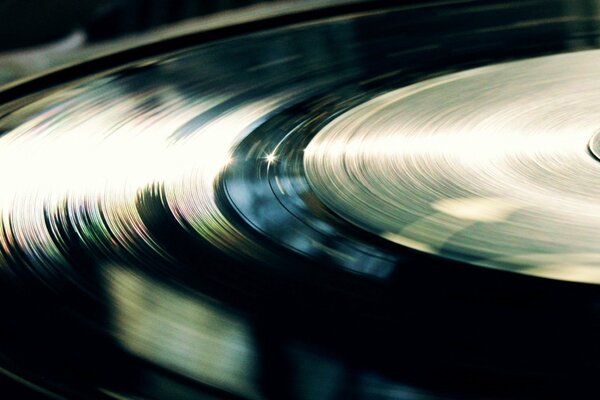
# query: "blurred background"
{"type": "Point", "coordinates": [39, 34]}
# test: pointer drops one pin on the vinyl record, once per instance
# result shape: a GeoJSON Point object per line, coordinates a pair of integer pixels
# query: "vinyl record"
{"type": "Point", "coordinates": [492, 166]}
{"type": "Point", "coordinates": [360, 200]}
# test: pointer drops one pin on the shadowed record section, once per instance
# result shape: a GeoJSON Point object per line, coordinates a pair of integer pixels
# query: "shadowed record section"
{"type": "Point", "coordinates": [489, 165]}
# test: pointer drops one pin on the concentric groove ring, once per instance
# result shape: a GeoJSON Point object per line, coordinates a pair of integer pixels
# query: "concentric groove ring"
{"type": "Point", "coordinates": [489, 166]}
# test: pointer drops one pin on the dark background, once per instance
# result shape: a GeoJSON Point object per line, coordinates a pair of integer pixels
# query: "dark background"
{"type": "Point", "coordinates": [26, 23]}
{"type": "Point", "coordinates": [39, 35]}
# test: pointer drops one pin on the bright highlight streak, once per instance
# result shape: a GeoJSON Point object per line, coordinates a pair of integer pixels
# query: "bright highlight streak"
{"type": "Point", "coordinates": [486, 164]}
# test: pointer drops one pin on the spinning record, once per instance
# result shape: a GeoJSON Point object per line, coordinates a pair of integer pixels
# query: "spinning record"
{"type": "Point", "coordinates": [492, 166]}
{"type": "Point", "coordinates": [358, 200]}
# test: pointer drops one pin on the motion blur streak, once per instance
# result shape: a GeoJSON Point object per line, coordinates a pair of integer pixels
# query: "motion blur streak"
{"type": "Point", "coordinates": [182, 332]}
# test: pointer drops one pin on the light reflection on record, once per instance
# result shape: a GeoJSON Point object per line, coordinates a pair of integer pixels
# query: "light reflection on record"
{"type": "Point", "coordinates": [164, 233]}
{"type": "Point", "coordinates": [489, 166]}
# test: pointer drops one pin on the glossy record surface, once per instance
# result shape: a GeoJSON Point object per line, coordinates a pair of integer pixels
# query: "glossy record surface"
{"type": "Point", "coordinates": [489, 166]}
{"type": "Point", "coordinates": [164, 233]}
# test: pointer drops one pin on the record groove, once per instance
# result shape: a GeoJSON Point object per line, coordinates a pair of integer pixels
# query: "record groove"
{"type": "Point", "coordinates": [489, 166]}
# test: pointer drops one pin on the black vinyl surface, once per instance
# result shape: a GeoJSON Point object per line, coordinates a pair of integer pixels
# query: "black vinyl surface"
{"type": "Point", "coordinates": [160, 238]}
